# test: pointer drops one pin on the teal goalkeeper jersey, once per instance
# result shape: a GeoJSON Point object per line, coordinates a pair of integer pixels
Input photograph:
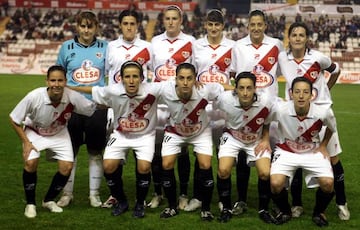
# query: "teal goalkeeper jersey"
{"type": "Point", "coordinates": [85, 65]}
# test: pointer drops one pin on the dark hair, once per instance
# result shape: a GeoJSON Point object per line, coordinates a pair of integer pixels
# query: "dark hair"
{"type": "Point", "coordinates": [301, 79]}
{"type": "Point", "coordinates": [296, 25]}
{"type": "Point", "coordinates": [257, 13]}
{"type": "Point", "coordinates": [89, 16]}
{"type": "Point", "coordinates": [125, 13]}
{"type": "Point", "coordinates": [246, 75]}
{"type": "Point", "coordinates": [55, 68]}
{"type": "Point", "coordinates": [132, 63]}
{"type": "Point", "coordinates": [215, 15]}
{"type": "Point", "coordinates": [243, 75]}
{"type": "Point", "coordinates": [185, 65]}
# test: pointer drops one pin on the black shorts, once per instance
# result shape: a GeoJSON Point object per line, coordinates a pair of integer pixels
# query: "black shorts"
{"type": "Point", "coordinates": [88, 130]}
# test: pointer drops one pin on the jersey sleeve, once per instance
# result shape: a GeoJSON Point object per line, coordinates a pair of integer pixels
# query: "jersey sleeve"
{"type": "Point", "coordinates": [20, 111]}
{"type": "Point", "coordinates": [82, 105]}
{"type": "Point", "coordinates": [330, 120]}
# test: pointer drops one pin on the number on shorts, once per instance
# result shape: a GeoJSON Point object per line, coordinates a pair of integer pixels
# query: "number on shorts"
{"type": "Point", "coordinates": [111, 141]}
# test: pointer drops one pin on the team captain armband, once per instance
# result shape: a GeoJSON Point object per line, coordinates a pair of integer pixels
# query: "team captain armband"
{"type": "Point", "coordinates": [333, 68]}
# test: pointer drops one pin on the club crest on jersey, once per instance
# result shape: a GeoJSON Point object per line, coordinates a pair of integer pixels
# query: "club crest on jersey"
{"type": "Point", "coordinates": [314, 74]}
{"type": "Point", "coordinates": [87, 73]}
{"type": "Point", "coordinates": [227, 61]}
{"type": "Point", "coordinates": [132, 124]}
{"type": "Point", "coordinates": [99, 55]}
{"type": "Point", "coordinates": [271, 60]}
{"type": "Point", "coordinates": [185, 54]}
{"type": "Point", "coordinates": [259, 120]}
{"type": "Point", "coordinates": [140, 60]}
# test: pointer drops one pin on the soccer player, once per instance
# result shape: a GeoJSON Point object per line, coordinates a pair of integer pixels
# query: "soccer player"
{"type": "Point", "coordinates": [135, 109]}
{"type": "Point", "coordinates": [40, 121]}
{"type": "Point", "coordinates": [211, 58]}
{"type": "Point", "coordinates": [257, 53]}
{"type": "Point", "coordinates": [300, 146]}
{"type": "Point", "coordinates": [170, 49]}
{"type": "Point", "coordinates": [84, 60]}
{"type": "Point", "coordinates": [300, 60]}
{"type": "Point", "coordinates": [246, 128]}
{"type": "Point", "coordinates": [188, 124]}
{"type": "Point", "coordinates": [127, 47]}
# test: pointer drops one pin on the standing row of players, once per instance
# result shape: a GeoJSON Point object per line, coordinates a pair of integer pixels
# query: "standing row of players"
{"type": "Point", "coordinates": [216, 59]}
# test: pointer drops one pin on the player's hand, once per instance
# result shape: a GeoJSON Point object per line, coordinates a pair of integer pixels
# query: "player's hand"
{"type": "Point", "coordinates": [27, 148]}
{"type": "Point", "coordinates": [323, 151]}
{"type": "Point", "coordinates": [262, 147]}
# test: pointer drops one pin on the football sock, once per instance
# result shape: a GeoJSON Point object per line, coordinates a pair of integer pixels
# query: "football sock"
{"type": "Point", "coordinates": [242, 176]}
{"type": "Point", "coordinates": [142, 186]}
{"type": "Point", "coordinates": [264, 194]}
{"type": "Point", "coordinates": [169, 185]}
{"type": "Point", "coordinates": [224, 191]}
{"type": "Point", "coordinates": [281, 201]}
{"type": "Point", "coordinates": [57, 184]}
{"type": "Point", "coordinates": [115, 183]}
{"type": "Point", "coordinates": [207, 187]}
{"type": "Point", "coordinates": [322, 200]}
{"type": "Point", "coordinates": [156, 169]}
{"type": "Point", "coordinates": [339, 184]}
{"type": "Point", "coordinates": [29, 183]}
{"type": "Point", "coordinates": [296, 188]}
{"type": "Point", "coordinates": [184, 170]}
{"type": "Point", "coordinates": [96, 173]}
{"type": "Point", "coordinates": [197, 181]}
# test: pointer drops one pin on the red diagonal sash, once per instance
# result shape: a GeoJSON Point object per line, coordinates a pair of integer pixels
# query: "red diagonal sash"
{"type": "Point", "coordinates": [254, 124]}
{"type": "Point", "coordinates": [182, 54]}
{"type": "Point", "coordinates": [313, 72]}
{"type": "Point", "coordinates": [142, 57]}
{"type": "Point", "coordinates": [270, 59]}
{"type": "Point", "coordinates": [144, 106]}
{"type": "Point", "coordinates": [224, 61]}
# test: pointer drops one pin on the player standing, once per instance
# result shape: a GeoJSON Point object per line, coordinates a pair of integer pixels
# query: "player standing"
{"type": "Point", "coordinates": [84, 59]}
{"type": "Point", "coordinates": [300, 60]}
{"type": "Point", "coordinates": [127, 47]}
{"type": "Point", "coordinates": [211, 58]}
{"type": "Point", "coordinates": [40, 121]}
{"type": "Point", "coordinates": [257, 53]}
{"type": "Point", "coordinates": [170, 49]}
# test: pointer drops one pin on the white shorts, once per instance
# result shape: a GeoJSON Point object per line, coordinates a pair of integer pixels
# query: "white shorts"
{"type": "Point", "coordinates": [333, 147]}
{"type": "Point", "coordinates": [230, 147]}
{"type": "Point", "coordinates": [172, 143]}
{"type": "Point", "coordinates": [120, 143]}
{"type": "Point", "coordinates": [59, 145]}
{"type": "Point", "coordinates": [314, 165]}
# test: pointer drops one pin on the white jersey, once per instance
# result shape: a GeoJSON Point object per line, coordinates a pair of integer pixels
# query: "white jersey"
{"type": "Point", "coordinates": [302, 136]}
{"type": "Point", "coordinates": [212, 63]}
{"type": "Point", "coordinates": [170, 52]}
{"type": "Point", "coordinates": [120, 51]}
{"type": "Point", "coordinates": [132, 115]}
{"type": "Point", "coordinates": [245, 126]}
{"type": "Point", "coordinates": [189, 119]}
{"type": "Point", "coordinates": [312, 67]}
{"type": "Point", "coordinates": [261, 60]}
{"type": "Point", "coordinates": [36, 111]}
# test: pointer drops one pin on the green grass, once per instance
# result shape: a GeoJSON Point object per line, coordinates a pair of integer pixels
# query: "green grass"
{"type": "Point", "coordinates": [79, 215]}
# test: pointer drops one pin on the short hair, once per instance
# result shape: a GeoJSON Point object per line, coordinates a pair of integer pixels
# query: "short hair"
{"type": "Point", "coordinates": [257, 13]}
{"type": "Point", "coordinates": [244, 75]}
{"type": "Point", "coordinates": [132, 64]}
{"type": "Point", "coordinates": [125, 13]}
{"type": "Point", "coordinates": [301, 79]}
{"type": "Point", "coordinates": [89, 16]}
{"type": "Point", "coordinates": [185, 65]}
{"type": "Point", "coordinates": [55, 68]}
{"type": "Point", "coordinates": [215, 15]}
